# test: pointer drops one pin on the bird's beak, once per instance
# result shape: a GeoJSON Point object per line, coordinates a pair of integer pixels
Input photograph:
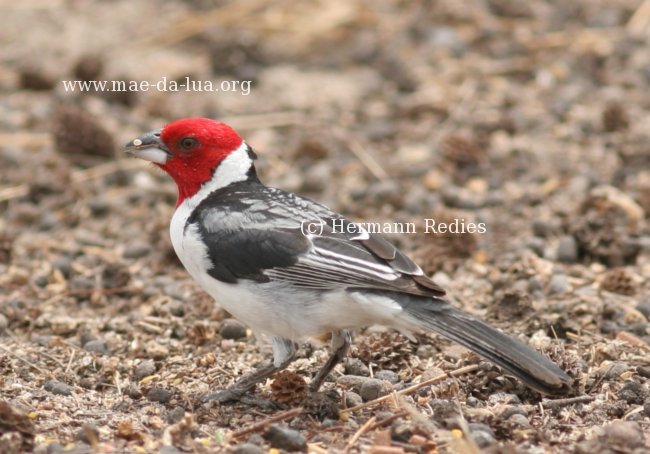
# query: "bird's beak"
{"type": "Point", "coordinates": [149, 147]}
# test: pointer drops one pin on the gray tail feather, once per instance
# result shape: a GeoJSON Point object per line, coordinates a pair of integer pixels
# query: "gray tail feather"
{"type": "Point", "coordinates": [523, 362]}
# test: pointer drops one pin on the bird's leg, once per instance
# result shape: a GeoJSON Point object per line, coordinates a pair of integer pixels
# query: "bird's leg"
{"type": "Point", "coordinates": [284, 351]}
{"type": "Point", "coordinates": [339, 348]}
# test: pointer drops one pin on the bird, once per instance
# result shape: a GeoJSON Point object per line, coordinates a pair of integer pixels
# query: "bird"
{"type": "Point", "coordinates": [291, 268]}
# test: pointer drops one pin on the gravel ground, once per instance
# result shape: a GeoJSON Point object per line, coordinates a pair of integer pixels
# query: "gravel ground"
{"type": "Point", "coordinates": [531, 118]}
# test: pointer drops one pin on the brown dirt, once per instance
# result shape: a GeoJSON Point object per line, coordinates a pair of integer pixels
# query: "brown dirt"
{"type": "Point", "coordinates": [529, 117]}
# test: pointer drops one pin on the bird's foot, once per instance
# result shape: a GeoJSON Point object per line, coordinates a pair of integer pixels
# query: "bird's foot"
{"type": "Point", "coordinates": [237, 395]}
{"type": "Point", "coordinates": [225, 396]}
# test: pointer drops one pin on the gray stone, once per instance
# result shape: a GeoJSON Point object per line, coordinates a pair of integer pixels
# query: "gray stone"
{"type": "Point", "coordinates": [64, 265]}
{"type": "Point", "coordinates": [443, 409]}
{"type": "Point", "coordinates": [387, 375]}
{"type": "Point", "coordinates": [136, 251]}
{"type": "Point", "coordinates": [624, 433]}
{"type": "Point", "coordinates": [373, 388]}
{"type": "Point", "coordinates": [169, 450]}
{"type": "Point", "coordinates": [4, 323]}
{"type": "Point", "coordinates": [97, 346]}
{"type": "Point", "coordinates": [644, 307]}
{"type": "Point", "coordinates": [354, 366]}
{"type": "Point", "coordinates": [559, 283]}
{"type": "Point", "coordinates": [176, 308]}
{"type": "Point", "coordinates": [86, 433]}
{"type": "Point", "coordinates": [352, 399]}
{"type": "Point", "coordinates": [175, 415]}
{"type": "Point", "coordinates": [160, 395]}
{"type": "Point", "coordinates": [519, 421]}
{"type": "Point", "coordinates": [232, 329]}
{"type": "Point", "coordinates": [144, 369]}
{"type": "Point", "coordinates": [513, 410]}
{"type": "Point", "coordinates": [567, 249]}
{"type": "Point", "coordinates": [284, 438]}
{"type": "Point", "coordinates": [482, 434]}
{"type": "Point", "coordinates": [248, 448]}
{"type": "Point", "coordinates": [503, 398]}
{"type": "Point", "coordinates": [353, 382]}
{"type": "Point", "coordinates": [56, 387]}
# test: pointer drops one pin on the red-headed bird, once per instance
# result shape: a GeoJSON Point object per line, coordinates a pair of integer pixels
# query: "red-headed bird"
{"type": "Point", "coordinates": [291, 268]}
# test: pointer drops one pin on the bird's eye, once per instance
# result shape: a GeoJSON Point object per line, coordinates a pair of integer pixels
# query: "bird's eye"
{"type": "Point", "coordinates": [187, 143]}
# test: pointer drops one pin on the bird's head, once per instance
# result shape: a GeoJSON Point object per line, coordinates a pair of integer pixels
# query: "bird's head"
{"type": "Point", "coordinates": [196, 151]}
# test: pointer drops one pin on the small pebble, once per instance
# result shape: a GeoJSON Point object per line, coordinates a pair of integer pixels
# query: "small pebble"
{"type": "Point", "coordinates": [400, 432]}
{"type": "Point", "coordinates": [354, 366]}
{"type": "Point", "coordinates": [284, 438]}
{"type": "Point", "coordinates": [232, 329]}
{"type": "Point", "coordinates": [41, 281]}
{"type": "Point", "coordinates": [633, 393]}
{"type": "Point", "coordinates": [352, 399]}
{"type": "Point", "coordinates": [57, 387]}
{"type": "Point", "coordinates": [482, 434]}
{"type": "Point", "coordinates": [388, 375]}
{"type": "Point", "coordinates": [328, 423]}
{"type": "Point", "coordinates": [535, 284]}
{"type": "Point", "coordinates": [624, 433]}
{"type": "Point", "coordinates": [4, 323]}
{"type": "Point", "coordinates": [169, 450]}
{"type": "Point", "coordinates": [160, 395]}
{"type": "Point", "coordinates": [542, 228]}
{"type": "Point", "coordinates": [559, 283]}
{"type": "Point", "coordinates": [256, 439]}
{"type": "Point", "coordinates": [373, 388]}
{"type": "Point", "coordinates": [133, 391]}
{"type": "Point", "coordinates": [353, 382]}
{"type": "Point", "coordinates": [616, 370]}
{"type": "Point", "coordinates": [136, 251]}
{"type": "Point", "coordinates": [99, 207]}
{"type": "Point", "coordinates": [643, 371]}
{"type": "Point", "coordinates": [176, 308]}
{"type": "Point", "coordinates": [503, 398]}
{"type": "Point", "coordinates": [443, 409]}
{"type": "Point", "coordinates": [518, 421]}
{"type": "Point", "coordinates": [536, 245]}
{"type": "Point", "coordinates": [54, 448]}
{"type": "Point", "coordinates": [567, 249]}
{"type": "Point", "coordinates": [97, 346]}
{"type": "Point", "coordinates": [644, 308]}
{"type": "Point", "coordinates": [175, 415]}
{"type": "Point", "coordinates": [87, 432]}
{"type": "Point", "coordinates": [513, 410]}
{"type": "Point", "coordinates": [646, 407]}
{"type": "Point", "coordinates": [426, 351]}
{"type": "Point", "coordinates": [248, 448]}
{"type": "Point", "coordinates": [64, 265]}
{"type": "Point", "coordinates": [144, 369]}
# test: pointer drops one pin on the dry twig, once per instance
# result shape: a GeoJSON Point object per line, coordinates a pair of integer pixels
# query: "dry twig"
{"type": "Point", "coordinates": [363, 429]}
{"type": "Point", "coordinates": [412, 389]}
{"type": "Point", "coordinates": [261, 425]}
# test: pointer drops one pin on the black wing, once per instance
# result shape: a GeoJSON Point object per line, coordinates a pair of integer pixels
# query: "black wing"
{"type": "Point", "coordinates": [272, 243]}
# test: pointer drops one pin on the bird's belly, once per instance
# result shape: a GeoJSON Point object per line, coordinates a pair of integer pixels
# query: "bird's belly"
{"type": "Point", "coordinates": [276, 308]}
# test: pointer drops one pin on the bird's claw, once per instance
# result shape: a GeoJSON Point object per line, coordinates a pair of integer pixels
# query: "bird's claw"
{"type": "Point", "coordinates": [231, 396]}
{"type": "Point", "coordinates": [222, 397]}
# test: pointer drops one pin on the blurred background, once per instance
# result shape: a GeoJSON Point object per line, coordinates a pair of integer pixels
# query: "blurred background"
{"type": "Point", "coordinates": [532, 117]}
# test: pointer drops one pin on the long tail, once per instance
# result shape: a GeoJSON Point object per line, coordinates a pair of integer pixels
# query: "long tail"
{"type": "Point", "coordinates": [523, 362]}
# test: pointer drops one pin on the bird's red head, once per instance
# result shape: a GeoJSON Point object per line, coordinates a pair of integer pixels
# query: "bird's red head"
{"type": "Point", "coordinates": [189, 150]}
